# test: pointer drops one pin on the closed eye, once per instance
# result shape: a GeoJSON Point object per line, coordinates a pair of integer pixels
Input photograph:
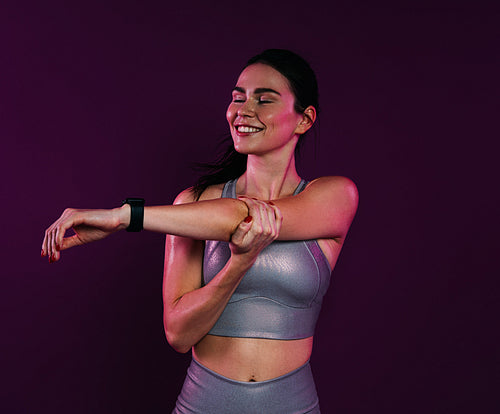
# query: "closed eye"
{"type": "Point", "coordinates": [265, 98]}
{"type": "Point", "coordinates": [238, 97]}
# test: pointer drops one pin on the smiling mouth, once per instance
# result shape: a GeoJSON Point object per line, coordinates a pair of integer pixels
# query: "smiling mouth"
{"type": "Point", "coordinates": [247, 129]}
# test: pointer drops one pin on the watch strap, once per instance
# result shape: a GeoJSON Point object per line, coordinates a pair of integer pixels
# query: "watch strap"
{"type": "Point", "coordinates": [136, 214]}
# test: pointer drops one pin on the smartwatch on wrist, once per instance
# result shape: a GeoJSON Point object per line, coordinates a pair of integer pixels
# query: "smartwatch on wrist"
{"type": "Point", "coordinates": [136, 213]}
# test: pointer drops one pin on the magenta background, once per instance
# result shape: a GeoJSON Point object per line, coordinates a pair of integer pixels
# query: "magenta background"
{"type": "Point", "coordinates": [99, 102]}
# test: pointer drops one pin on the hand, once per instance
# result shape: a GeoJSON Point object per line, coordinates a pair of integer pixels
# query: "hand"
{"type": "Point", "coordinates": [88, 225]}
{"type": "Point", "coordinates": [258, 230]}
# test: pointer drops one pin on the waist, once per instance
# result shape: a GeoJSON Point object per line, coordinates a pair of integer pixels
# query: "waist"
{"type": "Point", "coordinates": [252, 359]}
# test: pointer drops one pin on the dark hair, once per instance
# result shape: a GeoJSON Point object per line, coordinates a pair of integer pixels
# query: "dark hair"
{"type": "Point", "coordinates": [302, 80]}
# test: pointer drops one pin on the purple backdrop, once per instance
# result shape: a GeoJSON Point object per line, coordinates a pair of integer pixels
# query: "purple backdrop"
{"type": "Point", "coordinates": [99, 102]}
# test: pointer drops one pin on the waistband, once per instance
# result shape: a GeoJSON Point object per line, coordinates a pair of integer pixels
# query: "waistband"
{"type": "Point", "coordinates": [306, 366]}
{"type": "Point", "coordinates": [207, 392]}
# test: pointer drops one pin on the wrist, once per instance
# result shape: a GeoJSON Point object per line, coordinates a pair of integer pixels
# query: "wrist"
{"type": "Point", "coordinates": [242, 262]}
{"type": "Point", "coordinates": [136, 216]}
{"type": "Point", "coordinates": [123, 213]}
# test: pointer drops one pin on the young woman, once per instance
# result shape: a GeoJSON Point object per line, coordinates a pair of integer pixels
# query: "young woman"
{"type": "Point", "coordinates": [249, 250]}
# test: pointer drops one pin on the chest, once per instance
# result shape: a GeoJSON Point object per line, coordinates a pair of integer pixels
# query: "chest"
{"type": "Point", "coordinates": [292, 273]}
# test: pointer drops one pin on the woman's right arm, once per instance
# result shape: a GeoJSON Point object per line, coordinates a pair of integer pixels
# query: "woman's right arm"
{"type": "Point", "coordinates": [191, 310]}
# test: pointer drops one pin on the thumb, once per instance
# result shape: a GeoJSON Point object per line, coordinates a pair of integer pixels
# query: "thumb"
{"type": "Point", "coordinates": [242, 230]}
{"type": "Point", "coordinates": [71, 241]}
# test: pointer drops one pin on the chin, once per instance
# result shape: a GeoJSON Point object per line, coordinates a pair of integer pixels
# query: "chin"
{"type": "Point", "coordinates": [240, 147]}
{"type": "Point", "coordinates": [242, 150]}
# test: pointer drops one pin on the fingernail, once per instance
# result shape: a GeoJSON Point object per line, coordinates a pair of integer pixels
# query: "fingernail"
{"type": "Point", "coordinates": [248, 219]}
{"type": "Point", "coordinates": [58, 247]}
{"type": "Point", "coordinates": [42, 253]}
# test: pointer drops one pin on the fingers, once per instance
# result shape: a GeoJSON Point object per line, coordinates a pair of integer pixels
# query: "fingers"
{"type": "Point", "coordinates": [258, 230]}
{"type": "Point", "coordinates": [49, 243]}
{"type": "Point", "coordinates": [267, 217]}
{"type": "Point", "coordinates": [68, 242]}
{"type": "Point", "coordinates": [54, 240]}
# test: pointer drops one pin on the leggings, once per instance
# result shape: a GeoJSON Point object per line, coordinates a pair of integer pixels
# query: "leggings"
{"type": "Point", "coordinates": [206, 392]}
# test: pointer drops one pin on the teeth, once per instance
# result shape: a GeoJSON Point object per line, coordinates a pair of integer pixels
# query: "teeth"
{"type": "Point", "coordinates": [247, 129]}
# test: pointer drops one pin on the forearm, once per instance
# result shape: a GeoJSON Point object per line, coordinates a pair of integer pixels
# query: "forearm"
{"type": "Point", "coordinates": [191, 316]}
{"type": "Point", "coordinates": [204, 220]}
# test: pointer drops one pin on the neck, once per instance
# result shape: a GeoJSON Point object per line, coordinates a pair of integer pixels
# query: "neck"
{"type": "Point", "coordinates": [269, 177]}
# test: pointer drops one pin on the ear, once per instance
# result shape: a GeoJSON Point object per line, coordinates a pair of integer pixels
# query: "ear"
{"type": "Point", "coordinates": [307, 121]}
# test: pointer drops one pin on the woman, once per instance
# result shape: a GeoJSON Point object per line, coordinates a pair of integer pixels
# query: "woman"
{"type": "Point", "coordinates": [244, 303]}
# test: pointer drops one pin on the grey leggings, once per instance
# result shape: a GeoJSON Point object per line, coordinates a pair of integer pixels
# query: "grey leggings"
{"type": "Point", "coordinates": [206, 392]}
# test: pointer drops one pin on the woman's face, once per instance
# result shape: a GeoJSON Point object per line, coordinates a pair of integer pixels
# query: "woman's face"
{"type": "Point", "coordinates": [261, 114]}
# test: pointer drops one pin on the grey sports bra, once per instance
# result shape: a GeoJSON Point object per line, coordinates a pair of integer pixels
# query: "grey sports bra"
{"type": "Point", "coordinates": [280, 296]}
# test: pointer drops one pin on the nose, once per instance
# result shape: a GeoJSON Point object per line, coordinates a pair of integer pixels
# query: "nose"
{"type": "Point", "coordinates": [247, 108]}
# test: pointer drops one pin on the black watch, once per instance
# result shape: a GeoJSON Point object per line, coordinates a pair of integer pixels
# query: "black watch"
{"type": "Point", "coordinates": [136, 213]}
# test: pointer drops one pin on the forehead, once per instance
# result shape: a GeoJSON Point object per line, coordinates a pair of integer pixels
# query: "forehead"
{"type": "Point", "coordinates": [259, 75]}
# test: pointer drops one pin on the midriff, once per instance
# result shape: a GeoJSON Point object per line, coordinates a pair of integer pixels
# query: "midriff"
{"type": "Point", "coordinates": [252, 359]}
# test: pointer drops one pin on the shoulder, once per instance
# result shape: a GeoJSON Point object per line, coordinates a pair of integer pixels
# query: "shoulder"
{"type": "Point", "coordinates": [334, 184]}
{"type": "Point", "coordinates": [187, 196]}
{"type": "Point", "coordinates": [334, 189]}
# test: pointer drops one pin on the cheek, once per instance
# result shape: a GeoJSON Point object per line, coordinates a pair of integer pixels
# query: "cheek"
{"type": "Point", "coordinates": [230, 113]}
{"type": "Point", "coordinates": [281, 118]}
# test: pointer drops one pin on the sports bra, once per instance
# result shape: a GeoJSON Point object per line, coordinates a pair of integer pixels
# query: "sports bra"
{"type": "Point", "coordinates": [280, 295]}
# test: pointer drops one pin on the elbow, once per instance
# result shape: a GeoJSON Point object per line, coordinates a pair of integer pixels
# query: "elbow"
{"type": "Point", "coordinates": [231, 212]}
{"type": "Point", "coordinates": [241, 207]}
{"type": "Point", "coordinates": [176, 339]}
{"type": "Point", "coordinates": [178, 344]}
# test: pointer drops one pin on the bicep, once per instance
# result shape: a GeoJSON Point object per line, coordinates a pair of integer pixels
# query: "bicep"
{"type": "Point", "coordinates": [325, 209]}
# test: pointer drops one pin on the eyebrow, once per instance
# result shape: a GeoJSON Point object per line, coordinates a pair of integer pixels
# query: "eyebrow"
{"type": "Point", "coordinates": [258, 90]}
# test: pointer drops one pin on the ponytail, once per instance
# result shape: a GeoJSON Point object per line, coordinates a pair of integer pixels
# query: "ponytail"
{"type": "Point", "coordinates": [230, 165]}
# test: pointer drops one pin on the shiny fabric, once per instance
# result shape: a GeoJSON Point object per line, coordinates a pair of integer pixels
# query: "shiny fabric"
{"type": "Point", "coordinates": [207, 392]}
{"type": "Point", "coordinates": [280, 296]}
